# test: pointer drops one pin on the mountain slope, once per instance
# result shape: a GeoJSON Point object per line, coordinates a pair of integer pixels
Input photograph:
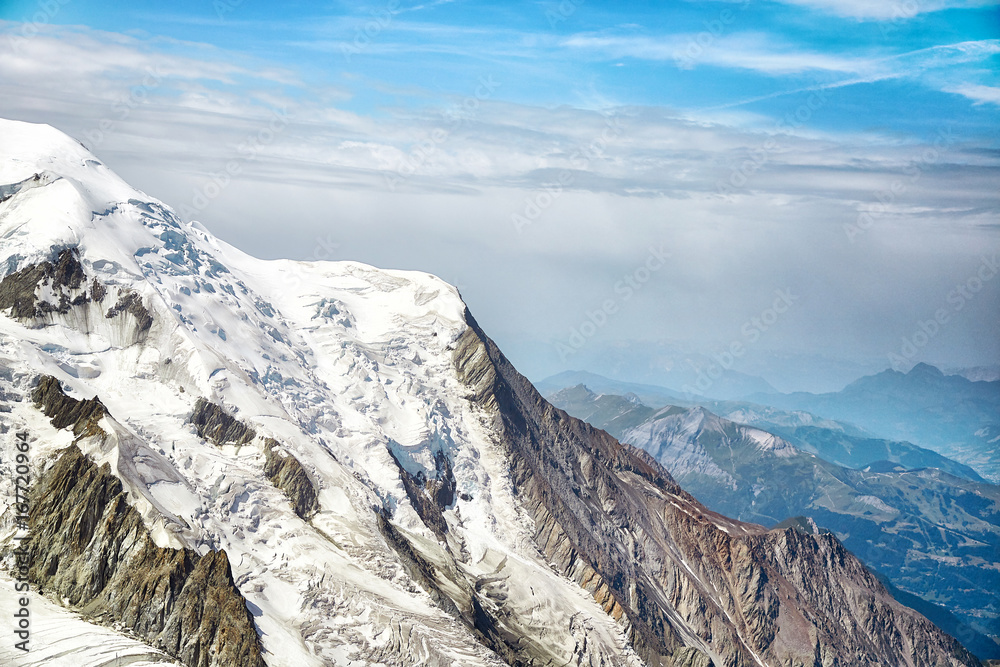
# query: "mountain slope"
{"type": "Point", "coordinates": [615, 414]}
{"type": "Point", "coordinates": [932, 533]}
{"type": "Point", "coordinates": [57, 634]}
{"type": "Point", "coordinates": [358, 467]}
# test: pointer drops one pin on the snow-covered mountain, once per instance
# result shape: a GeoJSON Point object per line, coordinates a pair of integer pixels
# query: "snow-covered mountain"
{"type": "Point", "coordinates": [246, 462]}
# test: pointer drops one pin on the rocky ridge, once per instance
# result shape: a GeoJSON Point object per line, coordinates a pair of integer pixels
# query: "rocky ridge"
{"type": "Point", "coordinates": [90, 547]}
{"type": "Point", "coordinates": [742, 595]}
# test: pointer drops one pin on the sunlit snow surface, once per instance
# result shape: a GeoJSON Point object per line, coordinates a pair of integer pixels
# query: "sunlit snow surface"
{"type": "Point", "coordinates": [340, 362]}
{"type": "Point", "coordinates": [60, 638]}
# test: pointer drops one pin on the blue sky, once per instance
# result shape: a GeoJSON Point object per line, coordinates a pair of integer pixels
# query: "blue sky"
{"type": "Point", "coordinates": [895, 66]}
{"type": "Point", "coordinates": [751, 137]}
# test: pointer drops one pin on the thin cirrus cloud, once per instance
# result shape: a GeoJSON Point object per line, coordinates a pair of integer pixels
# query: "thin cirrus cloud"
{"type": "Point", "coordinates": [760, 53]}
{"type": "Point", "coordinates": [89, 74]}
{"type": "Point", "coordinates": [742, 51]}
{"type": "Point", "coordinates": [868, 10]}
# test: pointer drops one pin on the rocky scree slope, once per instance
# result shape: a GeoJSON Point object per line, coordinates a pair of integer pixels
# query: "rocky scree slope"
{"type": "Point", "coordinates": [930, 532]}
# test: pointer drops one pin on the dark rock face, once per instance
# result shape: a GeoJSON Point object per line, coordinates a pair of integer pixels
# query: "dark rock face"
{"type": "Point", "coordinates": [283, 470]}
{"type": "Point", "coordinates": [66, 411]}
{"type": "Point", "coordinates": [470, 601]}
{"type": "Point", "coordinates": [928, 531]}
{"type": "Point", "coordinates": [286, 472]}
{"type": "Point", "coordinates": [17, 290]}
{"type": "Point", "coordinates": [687, 591]}
{"type": "Point", "coordinates": [430, 495]}
{"type": "Point", "coordinates": [65, 277]}
{"type": "Point", "coordinates": [442, 489]}
{"type": "Point", "coordinates": [90, 546]}
{"type": "Point", "coordinates": [131, 303]}
{"type": "Point", "coordinates": [218, 426]}
{"type": "Point", "coordinates": [423, 502]}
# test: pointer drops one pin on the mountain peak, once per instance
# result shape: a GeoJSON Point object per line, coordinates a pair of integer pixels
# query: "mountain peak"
{"type": "Point", "coordinates": [578, 390]}
{"type": "Point", "coordinates": [925, 369]}
{"type": "Point", "coordinates": [27, 142]}
{"type": "Point", "coordinates": [67, 198]}
{"type": "Point", "coordinates": [27, 149]}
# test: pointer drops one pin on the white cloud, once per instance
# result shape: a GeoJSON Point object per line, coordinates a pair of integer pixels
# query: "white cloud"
{"type": "Point", "coordinates": [764, 54]}
{"type": "Point", "coordinates": [203, 106]}
{"type": "Point", "coordinates": [977, 93]}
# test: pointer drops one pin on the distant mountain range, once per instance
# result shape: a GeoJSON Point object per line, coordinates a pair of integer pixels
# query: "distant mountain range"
{"type": "Point", "coordinates": [706, 369]}
{"type": "Point", "coordinates": [933, 533]}
{"type": "Point", "coordinates": [836, 441]}
{"type": "Point", "coordinates": [651, 395]}
{"type": "Point", "coordinates": [950, 414]}
{"type": "Point", "coordinates": [976, 373]}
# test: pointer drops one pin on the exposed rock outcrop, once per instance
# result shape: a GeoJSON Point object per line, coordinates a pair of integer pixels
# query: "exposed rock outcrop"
{"type": "Point", "coordinates": [89, 546]}
{"type": "Point", "coordinates": [470, 601]}
{"type": "Point", "coordinates": [18, 291]}
{"type": "Point", "coordinates": [689, 586]}
{"type": "Point", "coordinates": [39, 293]}
{"type": "Point", "coordinates": [216, 425]}
{"type": "Point", "coordinates": [424, 499]}
{"type": "Point", "coordinates": [286, 472]}
{"type": "Point", "coordinates": [130, 302]}
{"type": "Point", "coordinates": [65, 411]}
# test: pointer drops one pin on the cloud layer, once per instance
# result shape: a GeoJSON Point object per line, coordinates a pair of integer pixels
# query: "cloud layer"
{"type": "Point", "coordinates": [539, 212]}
